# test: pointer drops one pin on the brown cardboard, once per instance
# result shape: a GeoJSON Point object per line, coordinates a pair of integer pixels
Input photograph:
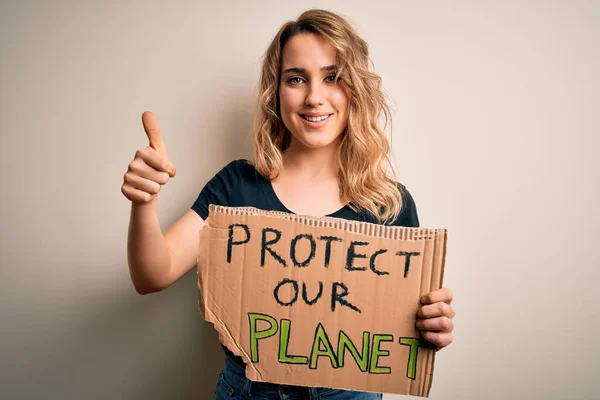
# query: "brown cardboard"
{"type": "Point", "coordinates": [297, 343]}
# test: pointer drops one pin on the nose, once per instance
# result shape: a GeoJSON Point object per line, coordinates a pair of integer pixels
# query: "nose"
{"type": "Point", "coordinates": [315, 95]}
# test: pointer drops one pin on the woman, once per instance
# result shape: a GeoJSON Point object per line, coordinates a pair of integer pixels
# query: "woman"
{"type": "Point", "coordinates": [318, 150]}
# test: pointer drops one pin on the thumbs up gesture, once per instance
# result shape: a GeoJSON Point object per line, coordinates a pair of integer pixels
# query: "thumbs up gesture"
{"type": "Point", "coordinates": [151, 168]}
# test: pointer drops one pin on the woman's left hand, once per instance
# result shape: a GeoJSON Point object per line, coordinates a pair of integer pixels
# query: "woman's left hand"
{"type": "Point", "coordinates": [434, 318]}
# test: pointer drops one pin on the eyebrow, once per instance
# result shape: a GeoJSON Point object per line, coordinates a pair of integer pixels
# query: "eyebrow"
{"type": "Point", "coordinates": [302, 70]}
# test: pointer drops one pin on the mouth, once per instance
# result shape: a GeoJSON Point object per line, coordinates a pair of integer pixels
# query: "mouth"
{"type": "Point", "coordinates": [315, 121]}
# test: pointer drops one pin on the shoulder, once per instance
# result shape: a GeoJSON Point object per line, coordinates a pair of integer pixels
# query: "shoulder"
{"type": "Point", "coordinates": [226, 186]}
{"type": "Point", "coordinates": [236, 171]}
{"type": "Point", "coordinates": [241, 168]}
{"type": "Point", "coordinates": [235, 166]}
{"type": "Point", "coordinates": [408, 214]}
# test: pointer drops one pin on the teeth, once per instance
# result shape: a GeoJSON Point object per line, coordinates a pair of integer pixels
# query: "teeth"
{"type": "Point", "coordinates": [315, 119]}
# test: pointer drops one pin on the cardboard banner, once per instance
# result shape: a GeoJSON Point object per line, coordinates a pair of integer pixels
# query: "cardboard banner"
{"type": "Point", "coordinates": [321, 302]}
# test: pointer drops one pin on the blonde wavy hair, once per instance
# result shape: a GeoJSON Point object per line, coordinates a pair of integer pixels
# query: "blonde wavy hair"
{"type": "Point", "coordinates": [363, 152]}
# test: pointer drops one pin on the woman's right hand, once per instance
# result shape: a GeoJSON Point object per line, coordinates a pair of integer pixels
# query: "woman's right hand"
{"type": "Point", "coordinates": [150, 168]}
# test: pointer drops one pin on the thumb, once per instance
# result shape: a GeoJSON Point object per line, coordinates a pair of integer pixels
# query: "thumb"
{"type": "Point", "coordinates": [153, 132]}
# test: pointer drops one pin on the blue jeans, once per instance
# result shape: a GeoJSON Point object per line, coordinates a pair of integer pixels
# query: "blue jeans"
{"type": "Point", "coordinates": [233, 384]}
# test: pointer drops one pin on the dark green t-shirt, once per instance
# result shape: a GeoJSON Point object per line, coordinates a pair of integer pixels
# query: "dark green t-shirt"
{"type": "Point", "coordinates": [239, 184]}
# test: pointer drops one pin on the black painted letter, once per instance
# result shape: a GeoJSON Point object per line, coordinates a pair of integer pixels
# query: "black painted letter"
{"type": "Point", "coordinates": [295, 288]}
{"type": "Point", "coordinates": [352, 255]}
{"type": "Point", "coordinates": [372, 262]}
{"type": "Point", "coordinates": [305, 295]}
{"type": "Point", "coordinates": [313, 247]}
{"type": "Point", "coordinates": [231, 242]}
{"type": "Point", "coordinates": [407, 262]}
{"type": "Point", "coordinates": [264, 247]}
{"type": "Point", "coordinates": [328, 240]}
{"type": "Point", "coordinates": [335, 296]}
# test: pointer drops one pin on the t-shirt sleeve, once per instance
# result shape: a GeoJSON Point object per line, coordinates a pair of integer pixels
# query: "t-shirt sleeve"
{"type": "Point", "coordinates": [217, 190]}
{"type": "Point", "coordinates": [408, 215]}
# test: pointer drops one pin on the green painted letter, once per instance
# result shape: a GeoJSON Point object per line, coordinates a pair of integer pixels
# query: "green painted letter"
{"type": "Point", "coordinates": [376, 353]}
{"type": "Point", "coordinates": [414, 343]}
{"type": "Point", "coordinates": [284, 339]}
{"type": "Point", "coordinates": [321, 337]}
{"type": "Point", "coordinates": [345, 343]}
{"type": "Point", "coordinates": [255, 335]}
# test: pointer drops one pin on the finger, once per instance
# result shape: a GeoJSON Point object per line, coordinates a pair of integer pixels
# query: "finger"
{"type": "Point", "coordinates": [140, 183]}
{"type": "Point", "coordinates": [147, 171]}
{"type": "Point", "coordinates": [172, 170]}
{"type": "Point", "coordinates": [155, 160]}
{"type": "Point", "coordinates": [440, 309]}
{"type": "Point", "coordinates": [136, 195]}
{"type": "Point", "coordinates": [443, 294]}
{"type": "Point", "coordinates": [438, 324]}
{"type": "Point", "coordinates": [437, 339]}
{"type": "Point", "coordinates": [153, 132]}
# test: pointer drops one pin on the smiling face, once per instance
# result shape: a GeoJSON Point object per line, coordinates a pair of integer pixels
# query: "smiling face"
{"type": "Point", "coordinates": [313, 106]}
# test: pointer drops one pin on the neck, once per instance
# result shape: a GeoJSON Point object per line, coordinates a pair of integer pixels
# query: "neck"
{"type": "Point", "coordinates": [307, 163]}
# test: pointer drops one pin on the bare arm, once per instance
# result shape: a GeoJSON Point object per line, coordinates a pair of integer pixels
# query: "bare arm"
{"type": "Point", "coordinates": [156, 261]}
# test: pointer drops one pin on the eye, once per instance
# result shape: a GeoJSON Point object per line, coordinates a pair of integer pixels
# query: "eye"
{"type": "Point", "coordinates": [295, 80]}
{"type": "Point", "coordinates": [331, 79]}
